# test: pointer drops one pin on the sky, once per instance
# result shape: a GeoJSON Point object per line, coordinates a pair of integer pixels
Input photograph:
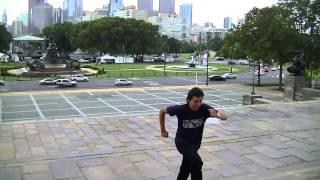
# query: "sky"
{"type": "Point", "coordinates": [203, 10]}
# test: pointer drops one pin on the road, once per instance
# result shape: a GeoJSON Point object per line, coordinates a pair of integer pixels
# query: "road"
{"type": "Point", "coordinates": [243, 78]}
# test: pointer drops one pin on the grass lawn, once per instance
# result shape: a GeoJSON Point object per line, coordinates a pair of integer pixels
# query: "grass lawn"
{"type": "Point", "coordinates": [12, 65]}
{"type": "Point", "coordinates": [141, 70]}
{"type": "Point", "coordinates": [145, 70]}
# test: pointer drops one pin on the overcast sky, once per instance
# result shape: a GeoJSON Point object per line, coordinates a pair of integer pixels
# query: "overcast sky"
{"type": "Point", "coordinates": [203, 10]}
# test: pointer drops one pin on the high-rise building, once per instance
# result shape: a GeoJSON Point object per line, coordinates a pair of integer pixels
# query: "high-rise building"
{"type": "Point", "coordinates": [171, 26]}
{"type": "Point", "coordinates": [209, 25]}
{"type": "Point", "coordinates": [131, 12]}
{"type": "Point", "coordinates": [31, 4]}
{"type": "Point", "coordinates": [17, 27]}
{"type": "Point", "coordinates": [4, 17]}
{"type": "Point", "coordinates": [57, 15]}
{"type": "Point", "coordinates": [186, 13]}
{"type": "Point", "coordinates": [115, 5]}
{"type": "Point", "coordinates": [41, 17]}
{"type": "Point", "coordinates": [100, 12]}
{"type": "Point", "coordinates": [167, 6]}
{"type": "Point", "coordinates": [24, 18]}
{"type": "Point", "coordinates": [146, 5]}
{"type": "Point", "coordinates": [72, 10]}
{"type": "Point", "coordinates": [227, 23]}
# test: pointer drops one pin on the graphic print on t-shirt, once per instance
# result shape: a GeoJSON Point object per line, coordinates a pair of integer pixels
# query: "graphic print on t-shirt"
{"type": "Point", "coordinates": [193, 123]}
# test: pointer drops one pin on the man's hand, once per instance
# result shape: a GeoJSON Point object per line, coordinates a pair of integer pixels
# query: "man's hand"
{"type": "Point", "coordinates": [213, 113]}
{"type": "Point", "coordinates": [164, 134]}
{"type": "Point", "coordinates": [218, 114]}
{"type": "Point", "coordinates": [162, 114]}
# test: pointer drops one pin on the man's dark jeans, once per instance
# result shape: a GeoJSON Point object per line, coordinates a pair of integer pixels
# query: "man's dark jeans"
{"type": "Point", "coordinates": [191, 162]}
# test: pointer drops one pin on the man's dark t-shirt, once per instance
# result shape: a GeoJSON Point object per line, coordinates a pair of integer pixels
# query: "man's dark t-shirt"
{"type": "Point", "coordinates": [190, 123]}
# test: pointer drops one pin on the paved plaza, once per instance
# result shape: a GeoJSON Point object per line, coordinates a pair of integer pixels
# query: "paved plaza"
{"type": "Point", "coordinates": [109, 103]}
{"type": "Point", "coordinates": [273, 141]}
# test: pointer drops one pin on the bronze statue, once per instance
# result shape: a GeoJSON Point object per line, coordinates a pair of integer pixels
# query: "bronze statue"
{"type": "Point", "coordinates": [297, 65]}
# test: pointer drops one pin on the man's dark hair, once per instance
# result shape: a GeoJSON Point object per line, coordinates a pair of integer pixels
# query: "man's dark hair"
{"type": "Point", "coordinates": [195, 92]}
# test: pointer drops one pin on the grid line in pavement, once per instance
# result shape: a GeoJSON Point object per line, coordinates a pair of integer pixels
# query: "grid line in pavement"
{"type": "Point", "coordinates": [107, 104]}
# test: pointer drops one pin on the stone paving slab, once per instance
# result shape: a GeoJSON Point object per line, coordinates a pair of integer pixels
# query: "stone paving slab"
{"type": "Point", "coordinates": [277, 141]}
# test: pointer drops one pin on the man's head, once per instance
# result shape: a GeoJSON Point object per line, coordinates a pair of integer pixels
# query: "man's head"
{"type": "Point", "coordinates": [194, 99]}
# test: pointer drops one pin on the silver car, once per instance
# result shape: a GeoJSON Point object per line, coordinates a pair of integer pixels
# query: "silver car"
{"type": "Point", "coordinates": [47, 81]}
{"type": "Point", "coordinates": [230, 76]}
{"type": "Point", "coordinates": [123, 82]}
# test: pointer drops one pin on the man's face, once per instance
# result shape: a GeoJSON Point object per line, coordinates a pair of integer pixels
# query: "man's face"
{"type": "Point", "coordinates": [195, 103]}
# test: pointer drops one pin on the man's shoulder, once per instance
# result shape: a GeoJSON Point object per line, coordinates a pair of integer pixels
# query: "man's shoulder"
{"type": "Point", "coordinates": [175, 109]}
{"type": "Point", "coordinates": [179, 106]}
{"type": "Point", "coordinates": [205, 106]}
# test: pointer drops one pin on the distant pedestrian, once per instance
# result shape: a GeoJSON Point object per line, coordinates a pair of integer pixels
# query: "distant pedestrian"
{"type": "Point", "coordinates": [191, 119]}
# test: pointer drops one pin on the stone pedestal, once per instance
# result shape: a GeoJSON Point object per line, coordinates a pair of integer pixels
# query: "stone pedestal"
{"type": "Point", "coordinates": [294, 88]}
{"type": "Point", "coordinates": [249, 99]}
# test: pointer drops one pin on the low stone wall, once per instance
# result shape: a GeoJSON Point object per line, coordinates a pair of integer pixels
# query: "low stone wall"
{"type": "Point", "coordinates": [294, 86]}
{"type": "Point", "coordinates": [0, 110]}
{"type": "Point", "coordinates": [306, 94]}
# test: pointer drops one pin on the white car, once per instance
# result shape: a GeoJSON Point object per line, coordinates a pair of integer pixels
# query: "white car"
{"type": "Point", "coordinates": [66, 83]}
{"type": "Point", "coordinates": [83, 61]}
{"type": "Point", "coordinates": [244, 62]}
{"type": "Point", "coordinates": [273, 69]}
{"type": "Point", "coordinates": [261, 73]}
{"type": "Point", "coordinates": [230, 76]}
{"type": "Point", "coordinates": [2, 83]}
{"type": "Point", "coordinates": [79, 77]}
{"type": "Point", "coordinates": [47, 81]}
{"type": "Point", "coordinates": [123, 82]}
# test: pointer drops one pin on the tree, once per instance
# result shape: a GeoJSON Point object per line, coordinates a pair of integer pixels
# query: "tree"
{"type": "Point", "coordinates": [266, 34]}
{"type": "Point", "coordinates": [61, 34]}
{"type": "Point", "coordinates": [306, 16]}
{"type": "Point", "coordinates": [231, 47]}
{"type": "Point", "coordinates": [187, 47]}
{"type": "Point", "coordinates": [170, 45]}
{"type": "Point", "coordinates": [215, 44]}
{"type": "Point", "coordinates": [117, 36]}
{"type": "Point", "coordinates": [5, 38]}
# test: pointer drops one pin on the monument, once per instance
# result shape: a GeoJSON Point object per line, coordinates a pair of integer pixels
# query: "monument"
{"type": "Point", "coordinates": [296, 80]}
{"type": "Point", "coordinates": [51, 63]}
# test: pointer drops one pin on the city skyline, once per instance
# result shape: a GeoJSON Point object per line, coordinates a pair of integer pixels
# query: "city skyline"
{"type": "Point", "coordinates": [217, 9]}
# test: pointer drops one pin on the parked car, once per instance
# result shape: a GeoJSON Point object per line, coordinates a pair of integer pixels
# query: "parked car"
{"type": "Point", "coordinates": [230, 76]}
{"type": "Point", "coordinates": [66, 83]}
{"type": "Point", "coordinates": [261, 73]}
{"type": "Point", "coordinates": [123, 82]}
{"type": "Point", "coordinates": [244, 62]}
{"type": "Point", "coordinates": [273, 69]}
{"type": "Point", "coordinates": [47, 81]}
{"type": "Point", "coordinates": [84, 61]}
{"type": "Point", "coordinates": [266, 69]}
{"type": "Point", "coordinates": [79, 77]}
{"type": "Point", "coordinates": [2, 83]}
{"type": "Point", "coordinates": [219, 58]}
{"type": "Point", "coordinates": [231, 62]}
{"type": "Point", "coordinates": [217, 78]}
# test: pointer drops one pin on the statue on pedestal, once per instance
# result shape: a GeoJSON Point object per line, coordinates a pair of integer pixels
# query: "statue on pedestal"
{"type": "Point", "coordinates": [297, 65]}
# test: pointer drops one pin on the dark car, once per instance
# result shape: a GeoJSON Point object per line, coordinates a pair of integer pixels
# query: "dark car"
{"type": "Point", "coordinates": [231, 62]}
{"type": "Point", "coordinates": [2, 83]}
{"type": "Point", "coordinates": [217, 78]}
{"type": "Point", "coordinates": [219, 58]}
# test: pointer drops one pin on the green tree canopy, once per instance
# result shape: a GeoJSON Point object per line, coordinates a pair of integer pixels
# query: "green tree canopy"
{"type": "Point", "coordinates": [61, 34]}
{"type": "Point", "coordinates": [5, 38]}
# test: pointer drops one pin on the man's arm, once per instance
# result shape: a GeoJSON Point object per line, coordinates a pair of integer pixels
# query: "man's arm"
{"type": "Point", "coordinates": [162, 118]}
{"type": "Point", "coordinates": [218, 114]}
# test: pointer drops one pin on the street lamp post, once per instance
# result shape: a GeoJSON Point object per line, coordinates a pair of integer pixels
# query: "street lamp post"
{"type": "Point", "coordinates": [164, 65]}
{"type": "Point", "coordinates": [253, 80]}
{"type": "Point", "coordinates": [207, 59]}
